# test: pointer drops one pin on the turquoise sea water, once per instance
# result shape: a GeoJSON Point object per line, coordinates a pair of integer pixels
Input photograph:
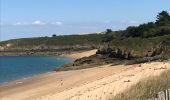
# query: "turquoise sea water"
{"type": "Point", "coordinates": [18, 67]}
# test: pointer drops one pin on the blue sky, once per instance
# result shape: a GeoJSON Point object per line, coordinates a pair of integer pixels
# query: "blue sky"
{"type": "Point", "coordinates": [33, 18]}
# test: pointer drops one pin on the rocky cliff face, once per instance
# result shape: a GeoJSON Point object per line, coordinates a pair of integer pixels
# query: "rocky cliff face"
{"type": "Point", "coordinates": [161, 49]}
{"type": "Point", "coordinates": [115, 53]}
{"type": "Point", "coordinates": [119, 56]}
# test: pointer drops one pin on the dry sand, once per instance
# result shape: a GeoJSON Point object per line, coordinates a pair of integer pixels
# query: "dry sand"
{"type": "Point", "coordinates": [81, 54]}
{"type": "Point", "coordinates": [98, 83]}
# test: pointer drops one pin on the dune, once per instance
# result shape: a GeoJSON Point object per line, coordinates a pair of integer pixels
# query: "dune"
{"type": "Point", "coordinates": [97, 83]}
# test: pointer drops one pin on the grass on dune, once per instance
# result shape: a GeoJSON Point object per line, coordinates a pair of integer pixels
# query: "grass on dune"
{"type": "Point", "coordinates": [147, 88]}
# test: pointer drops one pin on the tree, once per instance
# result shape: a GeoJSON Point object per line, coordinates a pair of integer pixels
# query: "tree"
{"type": "Point", "coordinates": [163, 18]}
{"type": "Point", "coordinates": [54, 35]}
{"type": "Point", "coordinates": [131, 31]}
{"type": "Point", "coordinates": [108, 31]}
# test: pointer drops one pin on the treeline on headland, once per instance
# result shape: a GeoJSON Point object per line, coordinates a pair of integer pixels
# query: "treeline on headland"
{"type": "Point", "coordinates": [143, 43]}
{"type": "Point", "coordinates": [149, 39]}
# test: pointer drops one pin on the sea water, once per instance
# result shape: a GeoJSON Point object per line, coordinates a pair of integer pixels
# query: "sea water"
{"type": "Point", "coordinates": [18, 67]}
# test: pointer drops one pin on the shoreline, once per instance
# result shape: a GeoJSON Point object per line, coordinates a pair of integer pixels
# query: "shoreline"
{"type": "Point", "coordinates": [35, 73]}
{"type": "Point", "coordinates": [99, 82]}
{"type": "Point", "coordinates": [58, 76]}
{"type": "Point", "coordinates": [72, 56]}
{"type": "Point", "coordinates": [68, 84]}
{"type": "Point", "coordinates": [21, 80]}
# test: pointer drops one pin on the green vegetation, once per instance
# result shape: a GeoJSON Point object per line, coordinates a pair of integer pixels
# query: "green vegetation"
{"type": "Point", "coordinates": [67, 40]}
{"type": "Point", "coordinates": [151, 29]}
{"type": "Point", "coordinates": [116, 47]}
{"type": "Point", "coordinates": [143, 38]}
{"type": "Point", "coordinates": [147, 88]}
{"type": "Point", "coordinates": [140, 44]}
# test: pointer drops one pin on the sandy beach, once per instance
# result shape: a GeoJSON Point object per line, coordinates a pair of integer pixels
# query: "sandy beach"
{"type": "Point", "coordinates": [81, 54]}
{"type": "Point", "coordinates": [98, 83]}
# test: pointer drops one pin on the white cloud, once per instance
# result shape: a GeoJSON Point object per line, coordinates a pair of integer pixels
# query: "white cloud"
{"type": "Point", "coordinates": [20, 23]}
{"type": "Point", "coordinates": [38, 22]}
{"type": "Point", "coordinates": [57, 23]}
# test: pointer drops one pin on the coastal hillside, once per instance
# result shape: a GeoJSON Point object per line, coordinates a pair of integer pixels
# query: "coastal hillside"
{"type": "Point", "coordinates": [55, 45]}
{"type": "Point", "coordinates": [147, 39]}
{"type": "Point", "coordinates": [143, 43]}
{"type": "Point", "coordinates": [55, 41]}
